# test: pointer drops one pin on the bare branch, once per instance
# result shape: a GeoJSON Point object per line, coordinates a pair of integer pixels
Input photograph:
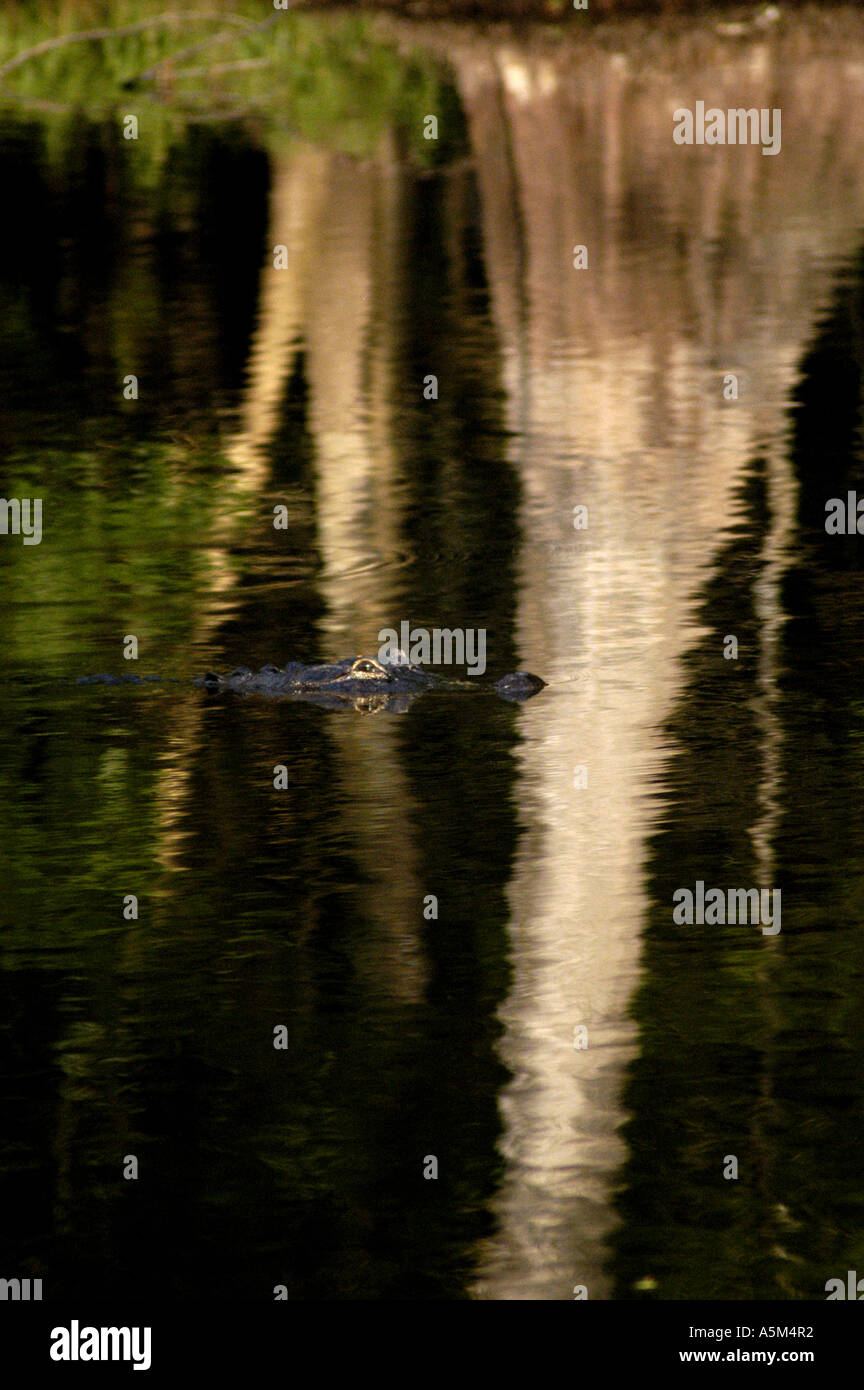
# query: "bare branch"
{"type": "Point", "coordinates": [196, 48]}
{"type": "Point", "coordinates": [94, 35]}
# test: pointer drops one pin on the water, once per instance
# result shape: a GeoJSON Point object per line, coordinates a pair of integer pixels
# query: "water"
{"type": "Point", "coordinates": [552, 836]}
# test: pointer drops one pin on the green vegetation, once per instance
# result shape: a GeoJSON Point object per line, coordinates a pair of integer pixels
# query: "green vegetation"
{"type": "Point", "coordinates": [327, 78]}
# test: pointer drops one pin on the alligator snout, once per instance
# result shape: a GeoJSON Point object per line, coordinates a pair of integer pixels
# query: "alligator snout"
{"type": "Point", "coordinates": [519, 685]}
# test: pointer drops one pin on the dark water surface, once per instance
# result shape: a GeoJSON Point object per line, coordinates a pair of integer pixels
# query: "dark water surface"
{"type": "Point", "coordinates": [409, 1035]}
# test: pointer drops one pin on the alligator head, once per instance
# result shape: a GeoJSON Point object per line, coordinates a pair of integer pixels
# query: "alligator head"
{"type": "Point", "coordinates": [364, 683]}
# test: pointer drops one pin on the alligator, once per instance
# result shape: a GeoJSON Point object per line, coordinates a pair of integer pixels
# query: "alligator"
{"type": "Point", "coordinates": [362, 683]}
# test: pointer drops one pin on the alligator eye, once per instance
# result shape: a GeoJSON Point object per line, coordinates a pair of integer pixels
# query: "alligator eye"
{"type": "Point", "coordinates": [365, 667]}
